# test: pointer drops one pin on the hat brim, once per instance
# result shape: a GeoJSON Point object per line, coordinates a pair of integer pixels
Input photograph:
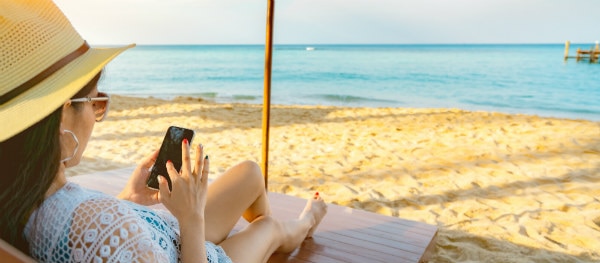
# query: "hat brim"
{"type": "Point", "coordinates": [38, 102]}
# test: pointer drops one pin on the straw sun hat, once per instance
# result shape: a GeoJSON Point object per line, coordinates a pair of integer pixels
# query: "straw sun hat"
{"type": "Point", "coordinates": [43, 62]}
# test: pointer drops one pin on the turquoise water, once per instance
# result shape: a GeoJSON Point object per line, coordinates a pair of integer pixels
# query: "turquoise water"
{"type": "Point", "coordinates": [531, 79]}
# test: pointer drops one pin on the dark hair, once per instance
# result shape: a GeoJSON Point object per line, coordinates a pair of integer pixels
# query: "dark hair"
{"type": "Point", "coordinates": [30, 162]}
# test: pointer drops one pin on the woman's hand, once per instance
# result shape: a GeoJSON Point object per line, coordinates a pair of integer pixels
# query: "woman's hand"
{"type": "Point", "coordinates": [136, 189]}
{"type": "Point", "coordinates": [187, 199]}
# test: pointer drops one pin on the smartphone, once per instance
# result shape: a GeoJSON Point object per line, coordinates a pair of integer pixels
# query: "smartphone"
{"type": "Point", "coordinates": [169, 150]}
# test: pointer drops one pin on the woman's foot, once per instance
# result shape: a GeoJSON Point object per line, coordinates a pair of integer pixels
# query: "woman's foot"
{"type": "Point", "coordinates": [297, 230]}
{"type": "Point", "coordinates": [314, 210]}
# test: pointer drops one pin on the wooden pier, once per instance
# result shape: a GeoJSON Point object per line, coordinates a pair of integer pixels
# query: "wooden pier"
{"type": "Point", "coordinates": [591, 55]}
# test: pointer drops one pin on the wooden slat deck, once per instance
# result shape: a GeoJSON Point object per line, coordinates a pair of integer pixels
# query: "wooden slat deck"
{"type": "Point", "coordinates": [344, 235]}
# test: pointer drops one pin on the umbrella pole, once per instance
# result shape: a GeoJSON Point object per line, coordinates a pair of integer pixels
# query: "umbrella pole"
{"type": "Point", "coordinates": [267, 92]}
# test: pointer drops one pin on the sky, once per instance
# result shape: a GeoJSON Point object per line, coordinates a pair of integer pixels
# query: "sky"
{"type": "Point", "coordinates": [103, 22]}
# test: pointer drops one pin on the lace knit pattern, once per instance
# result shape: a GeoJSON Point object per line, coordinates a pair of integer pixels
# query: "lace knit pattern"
{"type": "Point", "coordinates": [81, 225]}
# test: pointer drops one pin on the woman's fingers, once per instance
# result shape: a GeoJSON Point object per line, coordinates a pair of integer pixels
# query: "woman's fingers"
{"type": "Point", "coordinates": [201, 168]}
{"type": "Point", "coordinates": [186, 166]}
{"type": "Point", "coordinates": [198, 160]}
{"type": "Point", "coordinates": [163, 190]}
{"type": "Point", "coordinates": [204, 174]}
{"type": "Point", "coordinates": [174, 175]}
{"type": "Point", "coordinates": [150, 160]}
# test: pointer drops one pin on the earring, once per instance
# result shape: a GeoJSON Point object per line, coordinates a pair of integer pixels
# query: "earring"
{"type": "Point", "coordinates": [76, 146]}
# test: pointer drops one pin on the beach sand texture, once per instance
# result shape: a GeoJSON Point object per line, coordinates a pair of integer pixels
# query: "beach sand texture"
{"type": "Point", "coordinates": [501, 188]}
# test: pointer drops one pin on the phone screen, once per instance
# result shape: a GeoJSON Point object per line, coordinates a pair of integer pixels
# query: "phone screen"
{"type": "Point", "coordinates": [169, 150]}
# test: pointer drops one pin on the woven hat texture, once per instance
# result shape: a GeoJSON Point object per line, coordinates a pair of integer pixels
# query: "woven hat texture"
{"type": "Point", "coordinates": [43, 62]}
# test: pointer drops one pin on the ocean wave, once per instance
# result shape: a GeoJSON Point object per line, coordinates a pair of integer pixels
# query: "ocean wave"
{"type": "Point", "coordinates": [495, 104]}
{"type": "Point", "coordinates": [349, 99]}
{"type": "Point", "coordinates": [206, 95]}
{"type": "Point", "coordinates": [245, 97]}
{"type": "Point", "coordinates": [572, 111]}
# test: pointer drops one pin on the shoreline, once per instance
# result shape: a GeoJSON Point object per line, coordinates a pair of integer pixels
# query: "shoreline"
{"type": "Point", "coordinates": [511, 187]}
{"type": "Point", "coordinates": [257, 100]}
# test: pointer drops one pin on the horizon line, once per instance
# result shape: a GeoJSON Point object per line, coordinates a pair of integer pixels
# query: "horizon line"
{"type": "Point", "coordinates": [343, 44]}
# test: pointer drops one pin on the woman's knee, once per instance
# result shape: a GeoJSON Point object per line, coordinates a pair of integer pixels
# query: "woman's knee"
{"type": "Point", "coordinates": [252, 172]}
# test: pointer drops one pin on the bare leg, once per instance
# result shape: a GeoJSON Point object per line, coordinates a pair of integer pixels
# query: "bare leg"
{"type": "Point", "coordinates": [240, 191]}
{"type": "Point", "coordinates": [266, 235]}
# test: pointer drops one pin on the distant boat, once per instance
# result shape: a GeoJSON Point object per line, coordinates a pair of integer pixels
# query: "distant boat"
{"type": "Point", "coordinates": [310, 48]}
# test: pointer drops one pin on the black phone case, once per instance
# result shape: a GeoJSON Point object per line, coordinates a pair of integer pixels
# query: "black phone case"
{"type": "Point", "coordinates": [169, 150]}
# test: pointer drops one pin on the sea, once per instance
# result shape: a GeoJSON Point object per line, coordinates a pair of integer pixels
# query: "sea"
{"type": "Point", "coordinates": [509, 78]}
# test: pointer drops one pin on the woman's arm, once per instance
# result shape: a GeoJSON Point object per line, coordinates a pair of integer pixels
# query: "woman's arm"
{"type": "Point", "coordinates": [187, 201]}
{"type": "Point", "coordinates": [192, 237]}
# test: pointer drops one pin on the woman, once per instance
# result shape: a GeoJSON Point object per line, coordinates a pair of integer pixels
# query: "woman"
{"type": "Point", "coordinates": [49, 104]}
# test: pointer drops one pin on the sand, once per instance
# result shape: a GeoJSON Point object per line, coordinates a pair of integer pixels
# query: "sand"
{"type": "Point", "coordinates": [501, 188]}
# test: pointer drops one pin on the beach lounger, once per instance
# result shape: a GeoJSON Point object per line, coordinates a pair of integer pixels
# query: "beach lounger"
{"type": "Point", "coordinates": [9, 254]}
{"type": "Point", "coordinates": [344, 235]}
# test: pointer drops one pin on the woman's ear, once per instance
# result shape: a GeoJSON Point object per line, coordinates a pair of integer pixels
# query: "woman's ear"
{"type": "Point", "coordinates": [65, 113]}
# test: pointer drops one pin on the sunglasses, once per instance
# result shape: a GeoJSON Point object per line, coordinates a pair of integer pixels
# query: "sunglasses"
{"type": "Point", "coordinates": [100, 104]}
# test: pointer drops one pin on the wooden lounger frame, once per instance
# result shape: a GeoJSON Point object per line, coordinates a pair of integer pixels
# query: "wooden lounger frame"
{"type": "Point", "coordinates": [344, 235]}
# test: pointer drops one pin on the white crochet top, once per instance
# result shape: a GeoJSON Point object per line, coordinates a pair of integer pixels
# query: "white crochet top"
{"type": "Point", "coordinates": [80, 225]}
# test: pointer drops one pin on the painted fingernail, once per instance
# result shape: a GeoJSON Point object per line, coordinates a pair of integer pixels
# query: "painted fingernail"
{"type": "Point", "coordinates": [185, 141]}
{"type": "Point", "coordinates": [206, 158]}
{"type": "Point", "coordinates": [169, 161]}
{"type": "Point", "coordinates": [317, 193]}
